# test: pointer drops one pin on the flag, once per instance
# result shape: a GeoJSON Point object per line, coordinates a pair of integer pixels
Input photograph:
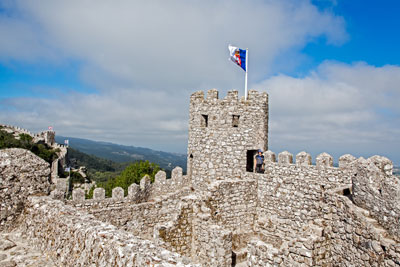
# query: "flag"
{"type": "Point", "coordinates": [50, 128]}
{"type": "Point", "coordinates": [238, 56]}
{"type": "Point", "coordinates": [66, 142]}
{"type": "Point", "coordinates": [67, 169]}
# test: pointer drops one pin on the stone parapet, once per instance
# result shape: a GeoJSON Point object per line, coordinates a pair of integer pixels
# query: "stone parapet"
{"type": "Point", "coordinates": [22, 174]}
{"type": "Point", "coordinates": [376, 190]}
{"type": "Point", "coordinates": [354, 237]}
{"type": "Point", "coordinates": [85, 241]}
{"type": "Point", "coordinates": [146, 190]}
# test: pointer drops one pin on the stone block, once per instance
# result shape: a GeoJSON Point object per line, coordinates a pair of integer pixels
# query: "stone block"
{"type": "Point", "coordinates": [269, 156]}
{"type": "Point", "coordinates": [78, 194]}
{"type": "Point", "coordinates": [145, 182]}
{"type": "Point", "coordinates": [212, 94]}
{"type": "Point", "coordinates": [346, 160]}
{"type": "Point", "coordinates": [118, 193]}
{"type": "Point", "coordinates": [177, 175]}
{"type": "Point", "coordinates": [160, 177]}
{"type": "Point", "coordinates": [232, 95]}
{"type": "Point", "coordinates": [383, 163]}
{"type": "Point", "coordinates": [99, 193]}
{"type": "Point", "coordinates": [303, 159]}
{"type": "Point", "coordinates": [133, 189]}
{"type": "Point", "coordinates": [324, 160]}
{"type": "Point", "coordinates": [285, 157]}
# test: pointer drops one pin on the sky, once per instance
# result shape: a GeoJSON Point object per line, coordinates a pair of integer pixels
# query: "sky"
{"type": "Point", "coordinates": [123, 71]}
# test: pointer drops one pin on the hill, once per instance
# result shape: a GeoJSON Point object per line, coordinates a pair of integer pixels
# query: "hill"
{"type": "Point", "coordinates": [121, 153]}
{"type": "Point", "coordinates": [396, 171]}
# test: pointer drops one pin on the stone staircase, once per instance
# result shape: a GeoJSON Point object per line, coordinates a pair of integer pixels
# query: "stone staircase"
{"type": "Point", "coordinates": [384, 236]}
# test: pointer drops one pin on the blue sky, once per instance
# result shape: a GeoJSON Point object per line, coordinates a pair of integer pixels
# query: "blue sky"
{"type": "Point", "coordinates": [372, 27]}
{"type": "Point", "coordinates": [123, 72]}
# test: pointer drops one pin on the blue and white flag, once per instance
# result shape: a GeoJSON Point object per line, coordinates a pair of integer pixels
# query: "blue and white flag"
{"type": "Point", "coordinates": [238, 56]}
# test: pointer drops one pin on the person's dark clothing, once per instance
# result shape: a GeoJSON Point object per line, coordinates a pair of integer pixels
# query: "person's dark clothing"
{"type": "Point", "coordinates": [259, 163]}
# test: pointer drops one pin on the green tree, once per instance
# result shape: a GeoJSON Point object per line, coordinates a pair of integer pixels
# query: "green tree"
{"type": "Point", "coordinates": [7, 140]}
{"type": "Point", "coordinates": [132, 174]}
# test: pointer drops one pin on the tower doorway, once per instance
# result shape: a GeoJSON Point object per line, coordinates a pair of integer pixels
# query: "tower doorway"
{"type": "Point", "coordinates": [250, 160]}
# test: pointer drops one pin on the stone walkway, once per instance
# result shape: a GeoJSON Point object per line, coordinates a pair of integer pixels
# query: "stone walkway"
{"type": "Point", "coordinates": [16, 251]}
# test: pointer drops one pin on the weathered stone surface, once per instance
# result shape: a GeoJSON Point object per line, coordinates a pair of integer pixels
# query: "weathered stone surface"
{"type": "Point", "coordinates": [99, 193]}
{"type": "Point", "coordinates": [346, 160]}
{"type": "Point", "coordinates": [383, 163]}
{"type": "Point", "coordinates": [324, 160]}
{"type": "Point", "coordinates": [222, 131]}
{"type": "Point", "coordinates": [22, 174]}
{"type": "Point", "coordinates": [145, 182]}
{"type": "Point", "coordinates": [133, 189]}
{"type": "Point", "coordinates": [18, 252]}
{"type": "Point", "coordinates": [303, 159]}
{"type": "Point", "coordinates": [118, 193]}
{"type": "Point", "coordinates": [92, 241]}
{"type": "Point", "coordinates": [269, 156]}
{"type": "Point", "coordinates": [378, 192]}
{"type": "Point", "coordinates": [285, 157]}
{"type": "Point", "coordinates": [160, 177]}
{"type": "Point", "coordinates": [78, 194]}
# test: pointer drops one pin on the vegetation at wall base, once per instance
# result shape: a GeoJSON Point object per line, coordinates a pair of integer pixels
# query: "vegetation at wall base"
{"type": "Point", "coordinates": [125, 154]}
{"type": "Point", "coordinates": [132, 174]}
{"type": "Point", "coordinates": [109, 174]}
{"type": "Point", "coordinates": [25, 141]}
{"type": "Point", "coordinates": [98, 169]}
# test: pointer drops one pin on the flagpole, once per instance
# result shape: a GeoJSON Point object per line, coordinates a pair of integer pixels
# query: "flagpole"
{"type": "Point", "coordinates": [245, 77]}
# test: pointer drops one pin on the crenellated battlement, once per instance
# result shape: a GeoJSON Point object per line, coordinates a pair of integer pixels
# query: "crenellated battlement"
{"type": "Point", "coordinates": [324, 160]}
{"type": "Point", "coordinates": [212, 96]}
{"type": "Point", "coordinates": [45, 136]}
{"type": "Point", "coordinates": [142, 192]}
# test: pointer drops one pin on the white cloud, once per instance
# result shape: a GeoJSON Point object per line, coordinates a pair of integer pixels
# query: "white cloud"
{"type": "Point", "coordinates": [146, 57]}
{"type": "Point", "coordinates": [339, 108]}
{"type": "Point", "coordinates": [169, 44]}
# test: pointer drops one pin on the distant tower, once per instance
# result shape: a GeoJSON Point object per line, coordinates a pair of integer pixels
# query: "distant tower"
{"type": "Point", "coordinates": [224, 135]}
{"type": "Point", "coordinates": [49, 137]}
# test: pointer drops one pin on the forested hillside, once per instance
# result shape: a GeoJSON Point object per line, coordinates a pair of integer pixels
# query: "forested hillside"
{"type": "Point", "coordinates": [121, 153]}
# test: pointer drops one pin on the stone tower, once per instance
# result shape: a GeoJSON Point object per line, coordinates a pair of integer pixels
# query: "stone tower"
{"type": "Point", "coordinates": [224, 135]}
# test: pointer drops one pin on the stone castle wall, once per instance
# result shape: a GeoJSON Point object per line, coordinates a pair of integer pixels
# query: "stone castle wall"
{"type": "Point", "coordinates": [292, 194]}
{"type": "Point", "coordinates": [74, 238]}
{"type": "Point", "coordinates": [22, 174]}
{"type": "Point", "coordinates": [221, 131]}
{"type": "Point", "coordinates": [47, 137]}
{"type": "Point", "coordinates": [57, 166]}
{"type": "Point", "coordinates": [354, 237]}
{"type": "Point", "coordinates": [377, 190]}
{"type": "Point", "coordinates": [233, 204]}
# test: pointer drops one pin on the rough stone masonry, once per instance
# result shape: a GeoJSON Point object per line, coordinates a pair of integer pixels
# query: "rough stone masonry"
{"type": "Point", "coordinates": [221, 213]}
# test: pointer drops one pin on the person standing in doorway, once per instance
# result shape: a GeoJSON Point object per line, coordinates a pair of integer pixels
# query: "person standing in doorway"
{"type": "Point", "coordinates": [259, 162]}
